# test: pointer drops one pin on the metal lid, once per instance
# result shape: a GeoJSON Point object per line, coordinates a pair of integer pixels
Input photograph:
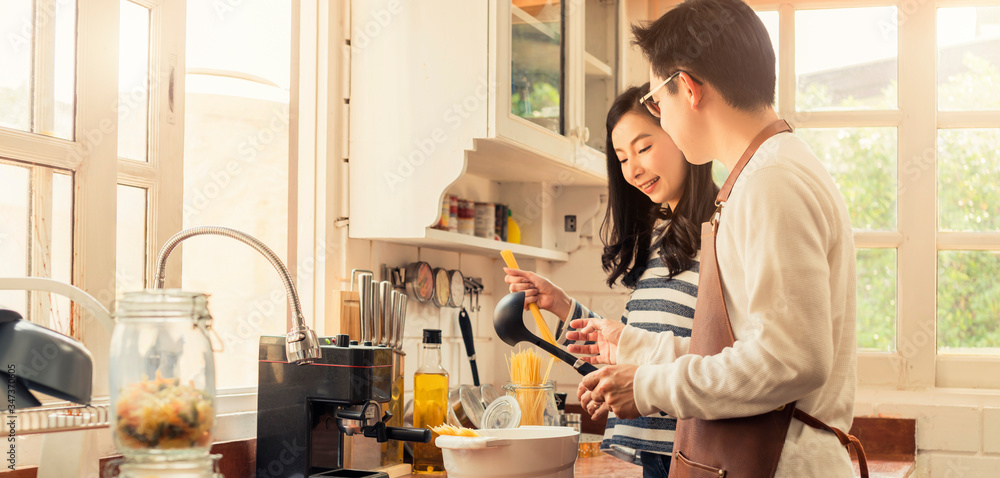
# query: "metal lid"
{"type": "Point", "coordinates": [489, 394]}
{"type": "Point", "coordinates": [472, 403]}
{"type": "Point", "coordinates": [504, 412]}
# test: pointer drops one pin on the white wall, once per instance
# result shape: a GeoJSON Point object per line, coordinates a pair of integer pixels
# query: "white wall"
{"type": "Point", "coordinates": [958, 431]}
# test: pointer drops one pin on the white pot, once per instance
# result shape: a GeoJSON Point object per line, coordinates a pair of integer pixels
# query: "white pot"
{"type": "Point", "coordinates": [528, 452]}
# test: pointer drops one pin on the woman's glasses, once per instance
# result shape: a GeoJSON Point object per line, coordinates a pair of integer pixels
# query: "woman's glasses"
{"type": "Point", "coordinates": [647, 99]}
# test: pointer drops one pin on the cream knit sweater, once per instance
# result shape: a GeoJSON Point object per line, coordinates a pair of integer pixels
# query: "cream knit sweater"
{"type": "Point", "coordinates": [786, 257]}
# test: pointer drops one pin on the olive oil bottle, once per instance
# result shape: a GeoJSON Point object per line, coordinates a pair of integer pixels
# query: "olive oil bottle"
{"type": "Point", "coordinates": [430, 402]}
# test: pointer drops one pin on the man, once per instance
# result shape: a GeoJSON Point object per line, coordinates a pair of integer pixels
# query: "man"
{"type": "Point", "coordinates": [784, 247]}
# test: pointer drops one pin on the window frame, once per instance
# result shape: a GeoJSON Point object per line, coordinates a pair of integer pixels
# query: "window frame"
{"type": "Point", "coordinates": [916, 362]}
{"type": "Point", "coordinates": [91, 157]}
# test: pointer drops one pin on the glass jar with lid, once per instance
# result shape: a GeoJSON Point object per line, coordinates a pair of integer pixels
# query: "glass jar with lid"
{"type": "Point", "coordinates": [537, 402]}
{"type": "Point", "coordinates": [162, 376]}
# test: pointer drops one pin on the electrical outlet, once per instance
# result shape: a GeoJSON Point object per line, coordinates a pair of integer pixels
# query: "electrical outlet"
{"type": "Point", "coordinates": [570, 223]}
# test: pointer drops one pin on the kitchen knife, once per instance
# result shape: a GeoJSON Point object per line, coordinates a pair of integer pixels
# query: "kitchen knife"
{"type": "Point", "coordinates": [382, 328]}
{"type": "Point", "coordinates": [365, 296]}
{"type": "Point", "coordinates": [401, 321]}
{"type": "Point", "coordinates": [465, 323]}
{"type": "Point", "coordinates": [393, 317]}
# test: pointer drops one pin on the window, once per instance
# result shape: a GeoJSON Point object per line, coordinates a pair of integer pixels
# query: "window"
{"type": "Point", "coordinates": [78, 190]}
{"type": "Point", "coordinates": [236, 172]}
{"type": "Point", "coordinates": [968, 219]}
{"type": "Point", "coordinates": [921, 189]}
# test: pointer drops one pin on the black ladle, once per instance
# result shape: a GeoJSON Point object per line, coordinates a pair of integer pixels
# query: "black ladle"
{"type": "Point", "coordinates": [508, 321]}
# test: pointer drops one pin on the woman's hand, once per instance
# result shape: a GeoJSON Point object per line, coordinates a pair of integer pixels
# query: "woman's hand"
{"type": "Point", "coordinates": [605, 332]}
{"type": "Point", "coordinates": [539, 290]}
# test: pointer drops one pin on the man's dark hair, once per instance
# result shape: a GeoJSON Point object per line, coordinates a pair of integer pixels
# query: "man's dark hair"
{"type": "Point", "coordinates": [722, 42]}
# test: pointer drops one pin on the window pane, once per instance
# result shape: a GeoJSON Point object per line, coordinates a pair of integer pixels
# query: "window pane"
{"type": "Point", "coordinates": [719, 173]}
{"type": "Point", "coordinates": [968, 301]}
{"type": "Point", "coordinates": [968, 190]}
{"type": "Point", "coordinates": [857, 71]}
{"type": "Point", "coordinates": [877, 299]}
{"type": "Point", "coordinates": [863, 163]}
{"type": "Point", "coordinates": [130, 245]}
{"type": "Point", "coordinates": [47, 33]}
{"type": "Point", "coordinates": [536, 63]}
{"type": "Point", "coordinates": [62, 244]}
{"type": "Point", "coordinates": [969, 58]}
{"type": "Point", "coordinates": [64, 70]}
{"type": "Point", "coordinates": [15, 56]}
{"type": "Point", "coordinates": [236, 175]}
{"type": "Point", "coordinates": [14, 183]}
{"type": "Point", "coordinates": [133, 81]}
{"type": "Point", "coordinates": [770, 20]}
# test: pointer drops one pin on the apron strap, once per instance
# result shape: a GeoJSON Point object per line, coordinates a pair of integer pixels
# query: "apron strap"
{"type": "Point", "coordinates": [772, 129]}
{"type": "Point", "coordinates": [845, 439]}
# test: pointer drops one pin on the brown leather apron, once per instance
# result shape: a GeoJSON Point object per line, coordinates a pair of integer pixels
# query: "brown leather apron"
{"type": "Point", "coordinates": [733, 447]}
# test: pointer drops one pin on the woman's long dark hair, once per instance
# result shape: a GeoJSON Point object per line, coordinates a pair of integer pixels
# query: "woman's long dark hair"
{"type": "Point", "coordinates": [628, 224]}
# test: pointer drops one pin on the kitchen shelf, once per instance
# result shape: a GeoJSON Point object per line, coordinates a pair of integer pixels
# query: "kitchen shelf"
{"type": "Point", "coordinates": [453, 241]}
{"type": "Point", "coordinates": [597, 67]}
{"type": "Point", "coordinates": [501, 160]}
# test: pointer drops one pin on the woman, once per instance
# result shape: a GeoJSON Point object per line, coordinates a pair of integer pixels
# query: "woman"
{"type": "Point", "coordinates": [651, 235]}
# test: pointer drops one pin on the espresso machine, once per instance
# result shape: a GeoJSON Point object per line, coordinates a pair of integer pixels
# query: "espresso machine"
{"type": "Point", "coordinates": [308, 415]}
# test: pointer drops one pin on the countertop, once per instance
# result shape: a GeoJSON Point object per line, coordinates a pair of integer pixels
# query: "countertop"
{"type": "Point", "coordinates": [604, 466]}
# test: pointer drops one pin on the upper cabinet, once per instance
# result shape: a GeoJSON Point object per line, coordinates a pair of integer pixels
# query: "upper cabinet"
{"type": "Point", "coordinates": [478, 98]}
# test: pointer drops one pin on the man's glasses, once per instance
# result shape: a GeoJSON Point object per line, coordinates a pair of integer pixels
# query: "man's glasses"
{"type": "Point", "coordinates": [647, 99]}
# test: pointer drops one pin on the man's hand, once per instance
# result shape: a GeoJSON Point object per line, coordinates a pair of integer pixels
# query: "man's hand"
{"type": "Point", "coordinates": [593, 405]}
{"type": "Point", "coordinates": [612, 386]}
{"type": "Point", "coordinates": [605, 332]}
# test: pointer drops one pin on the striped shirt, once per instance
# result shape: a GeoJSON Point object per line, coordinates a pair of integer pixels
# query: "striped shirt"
{"type": "Point", "coordinates": [657, 304]}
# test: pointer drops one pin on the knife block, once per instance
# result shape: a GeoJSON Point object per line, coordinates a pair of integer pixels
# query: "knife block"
{"type": "Point", "coordinates": [343, 314]}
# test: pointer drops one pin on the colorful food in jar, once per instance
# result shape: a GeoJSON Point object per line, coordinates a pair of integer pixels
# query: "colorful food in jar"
{"type": "Point", "coordinates": [163, 414]}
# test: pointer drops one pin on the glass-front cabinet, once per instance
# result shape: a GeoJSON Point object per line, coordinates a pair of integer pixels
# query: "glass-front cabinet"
{"type": "Point", "coordinates": [600, 59]}
{"type": "Point", "coordinates": [600, 38]}
{"type": "Point", "coordinates": [563, 76]}
{"type": "Point", "coordinates": [537, 63]}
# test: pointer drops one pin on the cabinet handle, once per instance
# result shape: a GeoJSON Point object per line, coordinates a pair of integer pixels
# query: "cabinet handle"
{"type": "Point", "coordinates": [586, 134]}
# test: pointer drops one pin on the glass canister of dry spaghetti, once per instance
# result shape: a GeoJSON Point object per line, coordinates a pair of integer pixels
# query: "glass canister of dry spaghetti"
{"type": "Point", "coordinates": [537, 402]}
{"type": "Point", "coordinates": [534, 393]}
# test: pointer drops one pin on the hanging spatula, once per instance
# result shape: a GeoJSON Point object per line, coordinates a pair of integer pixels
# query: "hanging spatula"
{"type": "Point", "coordinates": [465, 323]}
